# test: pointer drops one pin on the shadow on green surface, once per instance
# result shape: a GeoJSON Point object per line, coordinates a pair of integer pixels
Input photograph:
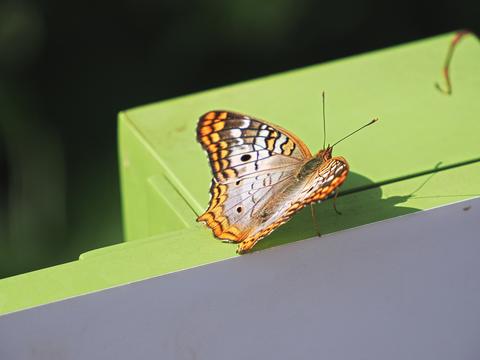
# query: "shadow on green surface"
{"type": "Point", "coordinates": [357, 208]}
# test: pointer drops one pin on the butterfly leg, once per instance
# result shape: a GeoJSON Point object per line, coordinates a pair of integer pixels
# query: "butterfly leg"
{"type": "Point", "coordinates": [314, 219]}
{"type": "Point", "coordinates": [227, 241]}
{"type": "Point", "coordinates": [335, 203]}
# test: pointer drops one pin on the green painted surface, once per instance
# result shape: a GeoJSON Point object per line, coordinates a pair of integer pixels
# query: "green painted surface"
{"type": "Point", "coordinates": [419, 127]}
{"type": "Point", "coordinates": [165, 175]}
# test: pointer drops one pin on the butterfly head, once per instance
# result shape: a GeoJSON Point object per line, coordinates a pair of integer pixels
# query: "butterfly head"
{"type": "Point", "coordinates": [325, 154]}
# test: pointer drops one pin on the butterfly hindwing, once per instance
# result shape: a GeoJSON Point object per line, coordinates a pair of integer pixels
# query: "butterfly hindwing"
{"type": "Point", "coordinates": [314, 189]}
{"type": "Point", "coordinates": [233, 205]}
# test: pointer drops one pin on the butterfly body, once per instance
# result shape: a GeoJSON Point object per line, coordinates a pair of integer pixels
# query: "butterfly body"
{"type": "Point", "coordinates": [263, 174]}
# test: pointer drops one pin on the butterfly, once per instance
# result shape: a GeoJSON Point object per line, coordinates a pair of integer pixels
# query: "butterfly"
{"type": "Point", "coordinates": [262, 175]}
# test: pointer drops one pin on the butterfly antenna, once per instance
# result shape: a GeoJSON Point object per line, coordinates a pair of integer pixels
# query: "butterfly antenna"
{"type": "Point", "coordinates": [324, 121]}
{"type": "Point", "coordinates": [360, 128]}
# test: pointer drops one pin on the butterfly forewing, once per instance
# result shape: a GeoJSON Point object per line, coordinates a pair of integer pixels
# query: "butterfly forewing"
{"type": "Point", "coordinates": [239, 145]}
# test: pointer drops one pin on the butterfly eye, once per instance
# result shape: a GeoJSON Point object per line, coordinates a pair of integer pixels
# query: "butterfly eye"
{"type": "Point", "coordinates": [239, 209]}
{"type": "Point", "coordinates": [245, 157]}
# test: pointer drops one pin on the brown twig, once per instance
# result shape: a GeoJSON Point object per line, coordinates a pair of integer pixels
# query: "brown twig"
{"type": "Point", "coordinates": [458, 36]}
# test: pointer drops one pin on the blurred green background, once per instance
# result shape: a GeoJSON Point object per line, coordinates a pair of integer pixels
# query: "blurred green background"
{"type": "Point", "coordinates": [68, 67]}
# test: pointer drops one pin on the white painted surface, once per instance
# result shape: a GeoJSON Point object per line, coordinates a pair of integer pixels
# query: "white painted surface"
{"type": "Point", "coordinates": [405, 288]}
